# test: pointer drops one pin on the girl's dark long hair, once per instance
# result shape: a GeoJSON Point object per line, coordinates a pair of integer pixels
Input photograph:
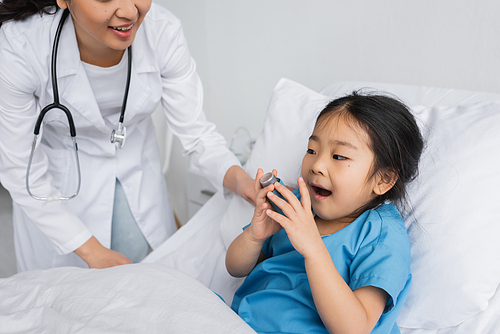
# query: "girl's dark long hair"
{"type": "Point", "coordinates": [19, 10]}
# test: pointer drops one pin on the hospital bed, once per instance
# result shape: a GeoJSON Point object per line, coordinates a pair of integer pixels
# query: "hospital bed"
{"type": "Point", "coordinates": [450, 216]}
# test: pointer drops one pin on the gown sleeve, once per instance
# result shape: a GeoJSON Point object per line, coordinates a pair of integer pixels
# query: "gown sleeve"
{"type": "Point", "coordinates": [384, 264]}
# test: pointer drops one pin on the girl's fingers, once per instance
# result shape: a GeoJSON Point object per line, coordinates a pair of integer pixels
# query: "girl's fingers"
{"type": "Point", "coordinates": [280, 219]}
{"type": "Point", "coordinates": [289, 196]}
{"type": "Point", "coordinates": [262, 194]}
{"type": "Point", "coordinates": [259, 175]}
{"type": "Point", "coordinates": [304, 193]}
{"type": "Point", "coordinates": [258, 185]}
{"type": "Point", "coordinates": [288, 210]}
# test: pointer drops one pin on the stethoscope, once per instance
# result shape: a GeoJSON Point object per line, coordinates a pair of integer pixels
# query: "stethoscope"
{"type": "Point", "coordinates": [118, 136]}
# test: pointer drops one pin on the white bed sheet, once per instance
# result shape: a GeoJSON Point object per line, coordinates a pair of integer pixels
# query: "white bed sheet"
{"type": "Point", "coordinates": [139, 298]}
{"type": "Point", "coordinates": [198, 249]}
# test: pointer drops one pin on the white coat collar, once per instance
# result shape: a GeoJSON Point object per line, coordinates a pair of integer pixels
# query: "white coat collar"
{"type": "Point", "coordinates": [74, 86]}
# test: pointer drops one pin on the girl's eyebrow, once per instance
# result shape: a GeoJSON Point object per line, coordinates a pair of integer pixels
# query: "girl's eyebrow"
{"type": "Point", "coordinates": [335, 142]}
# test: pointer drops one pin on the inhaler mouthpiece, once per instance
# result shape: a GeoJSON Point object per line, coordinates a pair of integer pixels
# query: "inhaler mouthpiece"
{"type": "Point", "coordinates": [268, 179]}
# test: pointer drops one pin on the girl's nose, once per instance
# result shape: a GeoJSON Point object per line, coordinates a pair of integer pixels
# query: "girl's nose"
{"type": "Point", "coordinates": [319, 166]}
{"type": "Point", "coordinates": [127, 10]}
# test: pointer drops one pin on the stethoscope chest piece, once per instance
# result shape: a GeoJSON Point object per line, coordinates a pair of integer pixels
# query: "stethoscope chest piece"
{"type": "Point", "coordinates": [119, 135]}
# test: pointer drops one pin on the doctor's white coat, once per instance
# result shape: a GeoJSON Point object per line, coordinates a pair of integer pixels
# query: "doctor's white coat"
{"type": "Point", "coordinates": [46, 233]}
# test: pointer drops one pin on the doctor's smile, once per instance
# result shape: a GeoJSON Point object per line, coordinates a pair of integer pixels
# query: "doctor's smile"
{"type": "Point", "coordinates": [123, 31]}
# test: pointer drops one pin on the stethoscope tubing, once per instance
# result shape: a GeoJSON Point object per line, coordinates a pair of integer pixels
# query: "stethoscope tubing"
{"type": "Point", "coordinates": [55, 105]}
{"type": "Point", "coordinates": [55, 90]}
{"type": "Point", "coordinates": [117, 136]}
{"type": "Point", "coordinates": [125, 96]}
{"type": "Point", "coordinates": [54, 197]}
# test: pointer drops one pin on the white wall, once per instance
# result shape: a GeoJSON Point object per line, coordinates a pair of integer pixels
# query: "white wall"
{"type": "Point", "coordinates": [243, 48]}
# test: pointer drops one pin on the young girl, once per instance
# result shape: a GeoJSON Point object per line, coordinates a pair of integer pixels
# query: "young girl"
{"type": "Point", "coordinates": [338, 260]}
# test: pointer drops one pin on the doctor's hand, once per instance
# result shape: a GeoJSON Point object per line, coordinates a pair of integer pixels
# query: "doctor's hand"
{"type": "Point", "coordinates": [238, 181]}
{"type": "Point", "coordinates": [98, 256]}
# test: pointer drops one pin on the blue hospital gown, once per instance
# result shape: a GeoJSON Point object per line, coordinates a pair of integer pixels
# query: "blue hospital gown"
{"type": "Point", "coordinates": [374, 250]}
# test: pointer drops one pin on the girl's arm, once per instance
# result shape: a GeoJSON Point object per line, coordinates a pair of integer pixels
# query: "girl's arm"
{"type": "Point", "coordinates": [245, 251]}
{"type": "Point", "coordinates": [243, 255]}
{"type": "Point", "coordinates": [341, 309]}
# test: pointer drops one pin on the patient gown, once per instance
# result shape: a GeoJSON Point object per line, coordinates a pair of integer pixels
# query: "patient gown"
{"type": "Point", "coordinates": [374, 250]}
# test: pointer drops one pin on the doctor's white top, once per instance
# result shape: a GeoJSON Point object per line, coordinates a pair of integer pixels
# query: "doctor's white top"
{"type": "Point", "coordinates": [47, 233]}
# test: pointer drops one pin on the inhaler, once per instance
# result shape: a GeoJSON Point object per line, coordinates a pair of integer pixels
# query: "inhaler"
{"type": "Point", "coordinates": [268, 179]}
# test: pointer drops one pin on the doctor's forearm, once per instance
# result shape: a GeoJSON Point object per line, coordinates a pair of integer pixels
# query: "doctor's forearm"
{"type": "Point", "coordinates": [238, 181]}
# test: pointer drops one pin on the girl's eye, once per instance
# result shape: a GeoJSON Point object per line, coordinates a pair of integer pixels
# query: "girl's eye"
{"type": "Point", "coordinates": [338, 157]}
{"type": "Point", "coordinates": [309, 151]}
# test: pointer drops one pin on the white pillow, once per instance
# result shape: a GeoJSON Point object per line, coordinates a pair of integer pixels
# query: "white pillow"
{"type": "Point", "coordinates": [455, 248]}
{"type": "Point", "coordinates": [455, 241]}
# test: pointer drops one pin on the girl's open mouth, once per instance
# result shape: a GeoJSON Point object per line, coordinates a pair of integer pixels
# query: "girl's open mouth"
{"type": "Point", "coordinates": [320, 191]}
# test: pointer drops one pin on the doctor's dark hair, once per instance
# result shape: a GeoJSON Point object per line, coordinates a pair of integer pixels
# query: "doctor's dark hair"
{"type": "Point", "coordinates": [19, 10]}
{"type": "Point", "coordinates": [395, 138]}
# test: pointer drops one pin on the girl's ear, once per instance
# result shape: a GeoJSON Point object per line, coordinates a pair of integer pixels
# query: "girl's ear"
{"type": "Point", "coordinates": [385, 181]}
{"type": "Point", "coordinates": [62, 4]}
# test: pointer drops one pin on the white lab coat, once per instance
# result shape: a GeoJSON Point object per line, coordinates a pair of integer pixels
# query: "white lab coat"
{"type": "Point", "coordinates": [46, 233]}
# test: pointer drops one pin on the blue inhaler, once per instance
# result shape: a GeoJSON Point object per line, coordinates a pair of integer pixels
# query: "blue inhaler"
{"type": "Point", "coordinates": [268, 179]}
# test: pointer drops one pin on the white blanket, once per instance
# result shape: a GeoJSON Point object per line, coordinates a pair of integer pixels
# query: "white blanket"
{"type": "Point", "coordinates": [139, 298]}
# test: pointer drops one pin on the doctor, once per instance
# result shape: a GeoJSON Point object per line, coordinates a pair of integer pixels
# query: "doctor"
{"type": "Point", "coordinates": [122, 209]}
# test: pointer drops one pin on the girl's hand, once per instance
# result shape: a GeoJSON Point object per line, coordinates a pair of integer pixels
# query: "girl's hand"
{"type": "Point", "coordinates": [262, 226]}
{"type": "Point", "coordinates": [244, 253]}
{"type": "Point", "coordinates": [299, 220]}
